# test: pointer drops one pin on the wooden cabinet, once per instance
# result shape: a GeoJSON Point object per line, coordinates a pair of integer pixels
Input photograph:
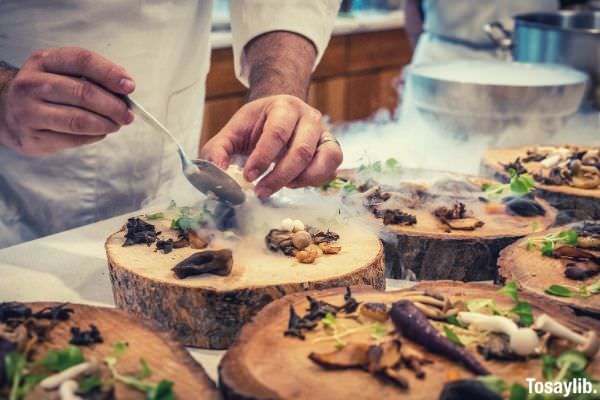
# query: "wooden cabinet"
{"type": "Point", "coordinates": [354, 79]}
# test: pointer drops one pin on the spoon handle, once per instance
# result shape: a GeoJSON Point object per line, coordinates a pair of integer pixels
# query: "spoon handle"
{"type": "Point", "coordinates": [141, 112]}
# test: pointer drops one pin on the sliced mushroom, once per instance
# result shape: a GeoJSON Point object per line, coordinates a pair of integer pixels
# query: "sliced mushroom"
{"type": "Point", "coordinates": [217, 262]}
{"type": "Point", "coordinates": [198, 240]}
{"type": "Point", "coordinates": [308, 255]}
{"type": "Point", "coordinates": [54, 381]}
{"type": "Point", "coordinates": [573, 253]}
{"type": "Point", "coordinates": [384, 355]}
{"type": "Point", "coordinates": [588, 242]}
{"type": "Point", "coordinates": [353, 355]}
{"type": "Point", "coordinates": [330, 248]}
{"type": "Point", "coordinates": [376, 311]}
{"type": "Point", "coordinates": [464, 224]}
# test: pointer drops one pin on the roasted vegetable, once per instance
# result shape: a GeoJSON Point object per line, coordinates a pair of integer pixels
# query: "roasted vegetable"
{"type": "Point", "coordinates": [413, 324]}
{"type": "Point", "coordinates": [353, 355]}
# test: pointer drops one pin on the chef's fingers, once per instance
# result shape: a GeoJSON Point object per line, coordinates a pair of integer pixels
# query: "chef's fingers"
{"type": "Point", "coordinates": [41, 143]}
{"type": "Point", "coordinates": [84, 63]}
{"type": "Point", "coordinates": [85, 94]}
{"type": "Point", "coordinates": [219, 150]}
{"type": "Point", "coordinates": [278, 128]}
{"type": "Point", "coordinates": [67, 119]}
{"type": "Point", "coordinates": [322, 169]}
{"type": "Point", "coordinates": [299, 155]}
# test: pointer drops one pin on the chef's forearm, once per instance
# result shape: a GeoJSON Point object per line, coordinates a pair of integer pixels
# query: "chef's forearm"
{"type": "Point", "coordinates": [280, 63]}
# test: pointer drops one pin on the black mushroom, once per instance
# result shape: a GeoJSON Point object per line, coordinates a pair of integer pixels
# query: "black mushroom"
{"type": "Point", "coordinates": [456, 217]}
{"type": "Point", "coordinates": [395, 217]}
{"type": "Point", "coordinates": [13, 310]}
{"type": "Point", "coordinates": [580, 270]}
{"type": "Point", "coordinates": [413, 324]}
{"type": "Point", "coordinates": [353, 355]}
{"type": "Point", "coordinates": [217, 262]}
{"type": "Point", "coordinates": [139, 232]}
{"type": "Point", "coordinates": [298, 325]}
{"type": "Point", "coordinates": [88, 337]}
{"type": "Point", "coordinates": [523, 206]}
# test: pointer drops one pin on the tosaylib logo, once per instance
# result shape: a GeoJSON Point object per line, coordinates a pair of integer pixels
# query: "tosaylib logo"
{"type": "Point", "coordinates": [565, 388]}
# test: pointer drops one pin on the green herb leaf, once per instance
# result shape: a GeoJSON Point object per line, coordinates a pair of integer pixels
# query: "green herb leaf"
{"type": "Point", "coordinates": [378, 331]}
{"type": "Point", "coordinates": [568, 238]}
{"type": "Point", "coordinates": [162, 391]}
{"type": "Point", "coordinates": [594, 288]}
{"type": "Point", "coordinates": [145, 372]}
{"type": "Point", "coordinates": [453, 337]}
{"type": "Point", "coordinates": [494, 383]}
{"type": "Point", "coordinates": [14, 362]}
{"type": "Point", "coordinates": [391, 163]}
{"type": "Point", "coordinates": [30, 382]}
{"type": "Point", "coordinates": [560, 291]}
{"type": "Point", "coordinates": [523, 310]}
{"type": "Point", "coordinates": [573, 361]}
{"type": "Point", "coordinates": [89, 383]}
{"type": "Point", "coordinates": [158, 215]}
{"type": "Point", "coordinates": [518, 392]}
{"type": "Point", "coordinates": [548, 366]}
{"type": "Point", "coordinates": [510, 290]}
{"type": "Point", "coordinates": [547, 248]}
{"type": "Point", "coordinates": [453, 320]}
{"type": "Point", "coordinates": [478, 305]}
{"type": "Point", "coordinates": [59, 360]}
{"type": "Point", "coordinates": [329, 320]}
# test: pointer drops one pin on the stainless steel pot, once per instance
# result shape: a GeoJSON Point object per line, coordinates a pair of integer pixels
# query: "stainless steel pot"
{"type": "Point", "coordinates": [565, 37]}
{"type": "Point", "coordinates": [491, 96]}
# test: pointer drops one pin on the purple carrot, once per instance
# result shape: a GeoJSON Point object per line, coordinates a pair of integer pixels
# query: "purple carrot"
{"type": "Point", "coordinates": [414, 325]}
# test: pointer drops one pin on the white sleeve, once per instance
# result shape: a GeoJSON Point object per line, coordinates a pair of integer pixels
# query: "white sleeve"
{"type": "Point", "coordinates": [312, 19]}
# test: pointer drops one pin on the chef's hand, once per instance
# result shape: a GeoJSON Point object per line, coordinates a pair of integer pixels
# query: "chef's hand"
{"type": "Point", "coordinates": [47, 106]}
{"type": "Point", "coordinates": [281, 129]}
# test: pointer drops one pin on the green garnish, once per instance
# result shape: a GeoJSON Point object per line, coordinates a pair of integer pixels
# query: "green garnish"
{"type": "Point", "coordinates": [566, 291]}
{"type": "Point", "coordinates": [15, 364]}
{"type": "Point", "coordinates": [191, 218]}
{"type": "Point", "coordinates": [522, 309]}
{"type": "Point", "coordinates": [162, 390]}
{"type": "Point", "coordinates": [158, 215]}
{"type": "Point", "coordinates": [453, 320]}
{"type": "Point", "coordinates": [518, 392]}
{"type": "Point", "coordinates": [89, 383]}
{"type": "Point", "coordinates": [387, 166]}
{"type": "Point", "coordinates": [378, 331]}
{"type": "Point", "coordinates": [519, 185]}
{"type": "Point", "coordinates": [453, 337]}
{"type": "Point", "coordinates": [59, 360]}
{"type": "Point", "coordinates": [345, 185]}
{"type": "Point", "coordinates": [551, 241]}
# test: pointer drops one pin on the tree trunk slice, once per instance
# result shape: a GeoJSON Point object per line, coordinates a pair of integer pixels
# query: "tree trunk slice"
{"type": "Point", "coordinates": [574, 204]}
{"type": "Point", "coordinates": [264, 364]}
{"type": "Point", "coordinates": [534, 273]}
{"type": "Point", "coordinates": [431, 251]}
{"type": "Point", "coordinates": [166, 358]}
{"type": "Point", "coordinates": [208, 311]}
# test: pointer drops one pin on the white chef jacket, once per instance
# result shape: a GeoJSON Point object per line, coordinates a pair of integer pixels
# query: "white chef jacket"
{"type": "Point", "coordinates": [164, 45]}
{"type": "Point", "coordinates": [453, 30]}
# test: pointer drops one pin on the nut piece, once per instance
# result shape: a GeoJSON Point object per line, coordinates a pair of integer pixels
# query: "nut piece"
{"type": "Point", "coordinates": [330, 248]}
{"type": "Point", "coordinates": [308, 255]}
{"type": "Point", "coordinates": [298, 225]}
{"type": "Point", "coordinates": [287, 224]}
{"type": "Point", "coordinates": [301, 240]}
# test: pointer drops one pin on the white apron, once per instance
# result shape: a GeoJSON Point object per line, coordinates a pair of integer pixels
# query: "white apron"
{"type": "Point", "coordinates": [453, 30]}
{"type": "Point", "coordinates": [164, 44]}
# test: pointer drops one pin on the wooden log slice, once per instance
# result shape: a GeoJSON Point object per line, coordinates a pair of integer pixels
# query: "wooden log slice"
{"type": "Point", "coordinates": [534, 273]}
{"type": "Point", "coordinates": [265, 364]}
{"type": "Point", "coordinates": [432, 251]}
{"type": "Point", "coordinates": [208, 310]}
{"type": "Point", "coordinates": [166, 358]}
{"type": "Point", "coordinates": [574, 204]}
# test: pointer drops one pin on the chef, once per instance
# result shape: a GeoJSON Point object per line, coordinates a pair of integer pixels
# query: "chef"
{"type": "Point", "coordinates": [453, 30]}
{"type": "Point", "coordinates": [70, 150]}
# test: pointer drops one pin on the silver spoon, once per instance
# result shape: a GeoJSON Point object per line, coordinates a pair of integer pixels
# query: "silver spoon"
{"type": "Point", "coordinates": [202, 174]}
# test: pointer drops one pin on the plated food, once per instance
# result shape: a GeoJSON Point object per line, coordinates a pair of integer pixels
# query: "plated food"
{"type": "Point", "coordinates": [199, 277]}
{"type": "Point", "coordinates": [436, 340]}
{"type": "Point", "coordinates": [68, 351]}
{"type": "Point", "coordinates": [441, 225]}
{"type": "Point", "coordinates": [562, 263]}
{"type": "Point", "coordinates": [568, 177]}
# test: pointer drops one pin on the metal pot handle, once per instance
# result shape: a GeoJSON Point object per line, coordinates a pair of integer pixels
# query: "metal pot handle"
{"type": "Point", "coordinates": [499, 35]}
